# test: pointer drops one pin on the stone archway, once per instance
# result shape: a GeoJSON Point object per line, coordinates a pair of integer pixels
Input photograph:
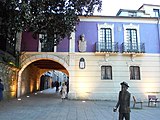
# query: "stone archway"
{"type": "Point", "coordinates": [29, 57]}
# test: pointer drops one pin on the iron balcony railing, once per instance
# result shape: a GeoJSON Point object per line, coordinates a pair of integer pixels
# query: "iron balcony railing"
{"type": "Point", "coordinates": [105, 47]}
{"type": "Point", "coordinates": [133, 47]}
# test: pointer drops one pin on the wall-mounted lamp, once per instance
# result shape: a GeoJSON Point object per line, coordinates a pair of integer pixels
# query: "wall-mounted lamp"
{"type": "Point", "coordinates": [82, 63]}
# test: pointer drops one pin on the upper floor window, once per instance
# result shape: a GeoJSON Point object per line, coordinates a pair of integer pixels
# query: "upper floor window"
{"type": "Point", "coordinates": [134, 73]}
{"type": "Point", "coordinates": [106, 72]}
{"type": "Point", "coordinates": [156, 12]}
{"type": "Point", "coordinates": [132, 41]}
{"type": "Point", "coordinates": [105, 37]}
{"type": "Point", "coordinates": [46, 44]}
{"type": "Point", "coordinates": [132, 14]}
{"type": "Point", "coordinates": [105, 32]}
{"type": "Point", "coordinates": [131, 35]}
{"type": "Point", "coordinates": [131, 38]}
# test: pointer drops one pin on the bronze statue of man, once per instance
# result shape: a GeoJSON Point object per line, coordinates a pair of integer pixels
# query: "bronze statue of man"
{"type": "Point", "coordinates": [123, 102]}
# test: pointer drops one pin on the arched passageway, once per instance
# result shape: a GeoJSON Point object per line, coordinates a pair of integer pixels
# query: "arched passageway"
{"type": "Point", "coordinates": [31, 72]}
{"type": "Point", "coordinates": [49, 65]}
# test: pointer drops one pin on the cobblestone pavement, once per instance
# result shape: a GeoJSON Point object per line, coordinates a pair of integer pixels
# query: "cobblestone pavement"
{"type": "Point", "coordinates": [48, 106]}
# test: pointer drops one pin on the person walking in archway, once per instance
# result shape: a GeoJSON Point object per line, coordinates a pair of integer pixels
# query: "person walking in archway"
{"type": "Point", "coordinates": [1, 90]}
{"type": "Point", "coordinates": [67, 84]}
{"type": "Point", "coordinates": [57, 85]}
{"type": "Point", "coordinates": [64, 91]}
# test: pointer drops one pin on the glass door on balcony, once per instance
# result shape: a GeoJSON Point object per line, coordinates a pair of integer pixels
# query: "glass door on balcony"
{"type": "Point", "coordinates": [106, 39]}
{"type": "Point", "coordinates": [132, 42]}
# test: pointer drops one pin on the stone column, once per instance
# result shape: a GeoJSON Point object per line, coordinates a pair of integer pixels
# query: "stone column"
{"type": "Point", "coordinates": [72, 64]}
{"type": "Point", "coordinates": [72, 43]}
{"type": "Point", "coordinates": [18, 42]}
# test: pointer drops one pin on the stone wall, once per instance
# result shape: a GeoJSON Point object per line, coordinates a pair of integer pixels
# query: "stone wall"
{"type": "Point", "coordinates": [8, 74]}
{"type": "Point", "coordinates": [30, 80]}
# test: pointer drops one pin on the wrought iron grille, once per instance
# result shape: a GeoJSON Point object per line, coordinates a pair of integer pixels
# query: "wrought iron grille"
{"type": "Point", "coordinates": [104, 47]}
{"type": "Point", "coordinates": [133, 47]}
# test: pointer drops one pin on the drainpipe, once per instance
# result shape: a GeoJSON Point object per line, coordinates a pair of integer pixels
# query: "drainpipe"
{"type": "Point", "coordinates": [158, 31]}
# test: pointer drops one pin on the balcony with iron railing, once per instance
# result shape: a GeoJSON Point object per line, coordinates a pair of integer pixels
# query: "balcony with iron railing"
{"type": "Point", "coordinates": [104, 47]}
{"type": "Point", "coordinates": [133, 47]}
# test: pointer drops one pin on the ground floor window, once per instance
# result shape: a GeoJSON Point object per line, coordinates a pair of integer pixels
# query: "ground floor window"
{"type": "Point", "coordinates": [134, 73]}
{"type": "Point", "coordinates": [106, 72]}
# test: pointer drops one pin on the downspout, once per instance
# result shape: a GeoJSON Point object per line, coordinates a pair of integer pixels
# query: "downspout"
{"type": "Point", "coordinates": [158, 31]}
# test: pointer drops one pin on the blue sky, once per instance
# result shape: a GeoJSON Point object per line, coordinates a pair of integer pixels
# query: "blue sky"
{"type": "Point", "coordinates": [111, 7]}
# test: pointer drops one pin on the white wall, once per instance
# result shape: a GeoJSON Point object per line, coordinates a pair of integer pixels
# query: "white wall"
{"type": "Point", "coordinates": [149, 9]}
{"type": "Point", "coordinates": [87, 84]}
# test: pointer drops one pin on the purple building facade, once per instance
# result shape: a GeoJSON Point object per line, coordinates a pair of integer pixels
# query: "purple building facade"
{"type": "Point", "coordinates": [117, 49]}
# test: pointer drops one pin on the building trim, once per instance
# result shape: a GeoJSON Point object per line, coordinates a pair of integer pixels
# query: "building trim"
{"type": "Point", "coordinates": [119, 19]}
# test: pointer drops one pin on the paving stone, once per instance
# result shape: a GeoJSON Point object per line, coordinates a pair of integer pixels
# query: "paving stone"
{"type": "Point", "coordinates": [49, 106]}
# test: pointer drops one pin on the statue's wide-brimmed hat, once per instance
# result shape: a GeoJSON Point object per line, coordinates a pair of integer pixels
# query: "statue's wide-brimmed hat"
{"type": "Point", "coordinates": [124, 83]}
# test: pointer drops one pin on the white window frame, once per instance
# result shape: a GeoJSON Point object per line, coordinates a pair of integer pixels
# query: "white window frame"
{"type": "Point", "coordinates": [105, 25]}
{"type": "Point", "coordinates": [131, 26]}
{"type": "Point", "coordinates": [156, 12]}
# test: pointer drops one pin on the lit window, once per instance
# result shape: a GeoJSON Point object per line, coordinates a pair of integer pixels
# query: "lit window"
{"type": "Point", "coordinates": [106, 72]}
{"type": "Point", "coordinates": [134, 73]}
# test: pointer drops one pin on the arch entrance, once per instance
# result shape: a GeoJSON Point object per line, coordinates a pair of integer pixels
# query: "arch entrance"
{"type": "Point", "coordinates": [33, 66]}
